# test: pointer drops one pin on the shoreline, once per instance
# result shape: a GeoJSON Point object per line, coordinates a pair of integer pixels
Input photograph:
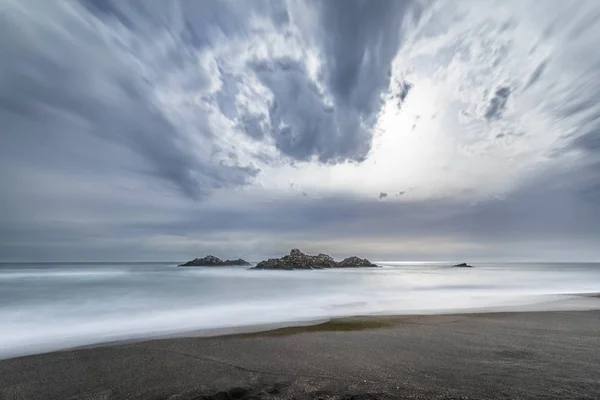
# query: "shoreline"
{"type": "Point", "coordinates": [548, 354]}
{"type": "Point", "coordinates": [570, 302]}
{"type": "Point", "coordinates": [593, 303]}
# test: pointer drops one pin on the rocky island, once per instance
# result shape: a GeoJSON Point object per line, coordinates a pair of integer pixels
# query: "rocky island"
{"type": "Point", "coordinates": [298, 260]}
{"type": "Point", "coordinates": [212, 261]}
{"type": "Point", "coordinates": [462, 265]}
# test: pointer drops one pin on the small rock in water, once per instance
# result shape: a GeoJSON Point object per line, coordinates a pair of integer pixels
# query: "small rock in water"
{"type": "Point", "coordinates": [462, 265]}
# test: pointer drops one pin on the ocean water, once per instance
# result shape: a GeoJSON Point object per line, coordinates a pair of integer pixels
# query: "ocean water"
{"type": "Point", "coordinates": [45, 307]}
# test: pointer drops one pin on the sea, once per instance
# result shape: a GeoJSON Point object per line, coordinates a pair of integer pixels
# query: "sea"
{"type": "Point", "coordinates": [51, 306]}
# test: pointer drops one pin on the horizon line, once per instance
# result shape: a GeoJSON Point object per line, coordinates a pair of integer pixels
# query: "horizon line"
{"type": "Point", "coordinates": [375, 261]}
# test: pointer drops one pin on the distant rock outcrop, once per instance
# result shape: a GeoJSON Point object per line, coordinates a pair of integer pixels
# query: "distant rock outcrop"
{"type": "Point", "coordinates": [355, 262]}
{"type": "Point", "coordinates": [462, 265]}
{"type": "Point", "coordinates": [298, 260]}
{"type": "Point", "coordinates": [212, 261]}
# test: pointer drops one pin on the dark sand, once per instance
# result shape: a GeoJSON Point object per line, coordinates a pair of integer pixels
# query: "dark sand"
{"type": "Point", "coordinates": [545, 355]}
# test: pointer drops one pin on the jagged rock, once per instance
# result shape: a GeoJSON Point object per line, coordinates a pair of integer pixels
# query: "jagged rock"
{"type": "Point", "coordinates": [212, 261]}
{"type": "Point", "coordinates": [295, 253]}
{"type": "Point", "coordinates": [298, 260]}
{"type": "Point", "coordinates": [462, 265]}
{"type": "Point", "coordinates": [355, 262]}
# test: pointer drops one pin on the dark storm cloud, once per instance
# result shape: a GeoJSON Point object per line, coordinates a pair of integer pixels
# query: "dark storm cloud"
{"type": "Point", "coordinates": [94, 76]}
{"type": "Point", "coordinates": [78, 75]}
{"type": "Point", "coordinates": [254, 126]}
{"type": "Point", "coordinates": [302, 123]}
{"type": "Point", "coordinates": [497, 103]}
{"type": "Point", "coordinates": [357, 41]}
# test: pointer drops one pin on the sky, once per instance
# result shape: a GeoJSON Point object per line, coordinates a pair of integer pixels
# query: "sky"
{"type": "Point", "coordinates": [394, 130]}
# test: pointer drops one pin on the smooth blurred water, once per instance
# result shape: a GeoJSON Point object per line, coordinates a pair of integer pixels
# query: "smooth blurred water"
{"type": "Point", "coordinates": [46, 307]}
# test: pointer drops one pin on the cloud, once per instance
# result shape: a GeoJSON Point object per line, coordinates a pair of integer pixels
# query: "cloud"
{"type": "Point", "coordinates": [497, 103]}
{"type": "Point", "coordinates": [359, 40]}
{"type": "Point", "coordinates": [301, 121]}
{"type": "Point", "coordinates": [90, 74]}
{"type": "Point", "coordinates": [536, 74]}
{"type": "Point", "coordinates": [322, 101]}
{"type": "Point", "coordinates": [157, 81]}
{"type": "Point", "coordinates": [404, 89]}
{"type": "Point", "coordinates": [140, 130]}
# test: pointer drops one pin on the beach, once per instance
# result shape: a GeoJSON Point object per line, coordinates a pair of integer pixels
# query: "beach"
{"type": "Point", "coordinates": [522, 355]}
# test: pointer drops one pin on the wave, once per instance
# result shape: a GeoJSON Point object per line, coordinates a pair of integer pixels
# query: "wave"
{"type": "Point", "coordinates": [51, 309]}
{"type": "Point", "coordinates": [42, 274]}
{"type": "Point", "coordinates": [46, 334]}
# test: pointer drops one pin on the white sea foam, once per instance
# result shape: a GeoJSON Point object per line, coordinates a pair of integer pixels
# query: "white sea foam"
{"type": "Point", "coordinates": [60, 307]}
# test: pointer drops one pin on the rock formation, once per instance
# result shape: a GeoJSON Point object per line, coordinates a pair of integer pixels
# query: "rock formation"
{"type": "Point", "coordinates": [212, 261]}
{"type": "Point", "coordinates": [298, 260]}
{"type": "Point", "coordinates": [462, 265]}
{"type": "Point", "coordinates": [355, 262]}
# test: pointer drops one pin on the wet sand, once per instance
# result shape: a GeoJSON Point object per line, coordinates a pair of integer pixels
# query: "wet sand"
{"type": "Point", "coordinates": [529, 355]}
